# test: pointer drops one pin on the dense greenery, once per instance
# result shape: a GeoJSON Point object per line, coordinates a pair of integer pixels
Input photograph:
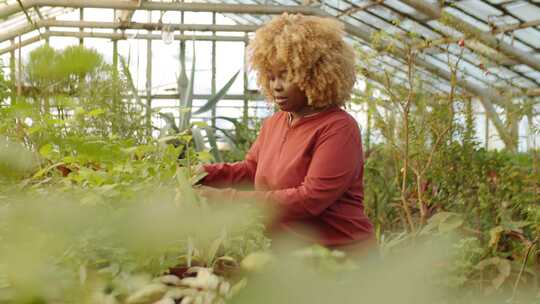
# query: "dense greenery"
{"type": "Point", "coordinates": [94, 210]}
{"type": "Point", "coordinates": [90, 205]}
{"type": "Point", "coordinates": [430, 169]}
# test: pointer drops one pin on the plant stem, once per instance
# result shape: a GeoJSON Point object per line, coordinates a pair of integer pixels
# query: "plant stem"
{"type": "Point", "coordinates": [406, 113]}
{"type": "Point", "coordinates": [518, 279]}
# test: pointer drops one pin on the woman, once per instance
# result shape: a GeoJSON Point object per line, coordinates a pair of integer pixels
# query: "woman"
{"type": "Point", "coordinates": [307, 160]}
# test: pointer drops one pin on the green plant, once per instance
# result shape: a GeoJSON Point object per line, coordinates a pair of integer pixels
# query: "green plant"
{"type": "Point", "coordinates": [79, 90]}
{"type": "Point", "coordinates": [4, 86]}
{"type": "Point", "coordinates": [430, 165]}
{"type": "Point", "coordinates": [201, 132]}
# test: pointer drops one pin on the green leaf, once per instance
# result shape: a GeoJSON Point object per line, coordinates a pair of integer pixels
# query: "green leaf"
{"type": "Point", "coordinates": [189, 251]}
{"type": "Point", "coordinates": [227, 133]}
{"type": "Point", "coordinates": [495, 236]}
{"type": "Point", "coordinates": [46, 150]}
{"type": "Point", "coordinates": [35, 128]}
{"type": "Point", "coordinates": [212, 102]}
{"type": "Point", "coordinates": [205, 156]}
{"type": "Point", "coordinates": [201, 124]}
{"type": "Point", "coordinates": [451, 224]}
{"type": "Point", "coordinates": [214, 247]}
{"type": "Point", "coordinates": [198, 139]}
{"type": "Point", "coordinates": [234, 121]}
{"type": "Point", "coordinates": [197, 177]}
{"type": "Point", "coordinates": [503, 266]}
{"type": "Point", "coordinates": [96, 112]}
{"type": "Point", "coordinates": [213, 143]}
{"type": "Point", "coordinates": [43, 171]}
{"type": "Point", "coordinates": [132, 87]}
{"type": "Point", "coordinates": [169, 120]}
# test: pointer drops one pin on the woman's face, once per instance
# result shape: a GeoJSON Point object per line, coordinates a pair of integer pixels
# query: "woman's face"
{"type": "Point", "coordinates": [287, 95]}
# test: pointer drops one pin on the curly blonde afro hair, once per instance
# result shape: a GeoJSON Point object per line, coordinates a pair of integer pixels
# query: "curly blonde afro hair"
{"type": "Point", "coordinates": [314, 53]}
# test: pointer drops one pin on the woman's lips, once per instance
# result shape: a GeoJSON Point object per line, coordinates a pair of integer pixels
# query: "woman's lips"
{"type": "Point", "coordinates": [281, 100]}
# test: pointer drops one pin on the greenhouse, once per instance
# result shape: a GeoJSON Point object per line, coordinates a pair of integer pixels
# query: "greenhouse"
{"type": "Point", "coordinates": [269, 151]}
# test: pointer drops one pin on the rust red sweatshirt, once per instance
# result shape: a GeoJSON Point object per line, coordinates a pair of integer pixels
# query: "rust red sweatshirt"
{"type": "Point", "coordinates": [312, 171]}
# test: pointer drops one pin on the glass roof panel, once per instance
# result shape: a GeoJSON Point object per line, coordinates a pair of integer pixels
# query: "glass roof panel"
{"type": "Point", "coordinates": [530, 35]}
{"type": "Point", "coordinates": [526, 11]}
{"type": "Point", "coordinates": [479, 9]}
{"type": "Point", "coordinates": [525, 83]}
{"type": "Point", "coordinates": [523, 68]}
{"type": "Point", "coordinates": [378, 23]}
{"type": "Point", "coordinates": [506, 73]}
{"type": "Point", "coordinates": [384, 12]}
{"type": "Point", "coordinates": [444, 28]}
{"type": "Point", "coordinates": [503, 20]}
{"type": "Point", "coordinates": [517, 44]}
{"type": "Point", "coordinates": [354, 21]}
{"type": "Point", "coordinates": [412, 25]}
{"type": "Point", "coordinates": [482, 14]}
{"type": "Point", "coordinates": [340, 5]}
{"type": "Point", "coordinates": [462, 16]}
{"type": "Point", "coordinates": [400, 6]}
{"type": "Point", "coordinates": [499, 1]}
{"type": "Point", "coordinates": [534, 74]}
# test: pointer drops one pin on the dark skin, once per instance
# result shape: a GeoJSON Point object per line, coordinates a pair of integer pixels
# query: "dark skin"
{"type": "Point", "coordinates": [289, 98]}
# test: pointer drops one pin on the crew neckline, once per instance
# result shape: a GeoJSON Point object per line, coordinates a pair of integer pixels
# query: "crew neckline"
{"type": "Point", "coordinates": [308, 117]}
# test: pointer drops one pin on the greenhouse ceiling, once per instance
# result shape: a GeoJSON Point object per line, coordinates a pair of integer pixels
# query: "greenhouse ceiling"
{"type": "Point", "coordinates": [501, 38]}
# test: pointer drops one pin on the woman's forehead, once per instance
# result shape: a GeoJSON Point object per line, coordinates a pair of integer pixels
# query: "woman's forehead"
{"type": "Point", "coordinates": [277, 69]}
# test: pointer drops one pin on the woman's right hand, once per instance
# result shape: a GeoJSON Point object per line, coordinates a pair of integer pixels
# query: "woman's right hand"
{"type": "Point", "coordinates": [198, 174]}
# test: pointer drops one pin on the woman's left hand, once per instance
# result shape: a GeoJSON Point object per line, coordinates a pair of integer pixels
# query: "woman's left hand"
{"type": "Point", "coordinates": [214, 194]}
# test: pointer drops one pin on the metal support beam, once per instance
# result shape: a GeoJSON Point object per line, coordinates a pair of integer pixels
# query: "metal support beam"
{"type": "Point", "coordinates": [116, 36]}
{"type": "Point", "coordinates": [11, 9]}
{"type": "Point", "coordinates": [474, 46]}
{"type": "Point", "coordinates": [123, 36]}
{"type": "Point", "coordinates": [26, 42]}
{"type": "Point", "coordinates": [81, 29]}
{"type": "Point", "coordinates": [425, 8]}
{"type": "Point", "coordinates": [357, 8]}
{"type": "Point", "coordinates": [150, 26]}
{"type": "Point", "coordinates": [182, 81]}
{"type": "Point", "coordinates": [486, 96]}
{"type": "Point", "coordinates": [38, 27]}
{"type": "Point", "coordinates": [514, 27]}
{"type": "Point", "coordinates": [504, 134]}
{"type": "Point", "coordinates": [19, 70]}
{"type": "Point", "coordinates": [149, 81]}
{"type": "Point", "coordinates": [533, 92]}
{"type": "Point", "coordinates": [245, 84]}
{"type": "Point", "coordinates": [362, 33]}
{"type": "Point", "coordinates": [258, 97]}
{"type": "Point", "coordinates": [130, 25]}
{"type": "Point", "coordinates": [213, 84]}
{"type": "Point", "coordinates": [28, 18]}
{"type": "Point", "coordinates": [12, 72]}
{"type": "Point", "coordinates": [17, 32]}
{"type": "Point", "coordinates": [366, 35]}
{"type": "Point", "coordinates": [469, 29]}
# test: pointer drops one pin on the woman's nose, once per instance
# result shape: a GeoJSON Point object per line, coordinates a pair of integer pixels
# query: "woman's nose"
{"type": "Point", "coordinates": [277, 85]}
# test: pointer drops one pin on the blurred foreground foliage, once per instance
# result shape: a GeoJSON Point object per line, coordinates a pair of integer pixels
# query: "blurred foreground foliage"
{"type": "Point", "coordinates": [93, 210]}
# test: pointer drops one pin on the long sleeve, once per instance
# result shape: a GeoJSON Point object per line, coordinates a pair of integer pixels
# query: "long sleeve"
{"type": "Point", "coordinates": [308, 177]}
{"type": "Point", "coordinates": [229, 174]}
{"type": "Point", "coordinates": [337, 162]}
